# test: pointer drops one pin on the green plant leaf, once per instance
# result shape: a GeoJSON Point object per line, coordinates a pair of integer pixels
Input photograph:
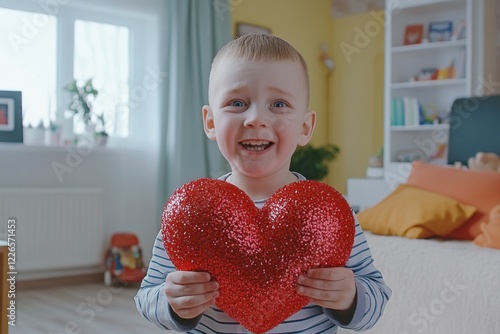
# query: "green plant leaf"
{"type": "Point", "coordinates": [312, 161]}
{"type": "Point", "coordinates": [82, 96]}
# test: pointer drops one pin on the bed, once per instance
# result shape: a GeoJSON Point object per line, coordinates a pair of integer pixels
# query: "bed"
{"type": "Point", "coordinates": [444, 281]}
{"type": "Point", "coordinates": [439, 286]}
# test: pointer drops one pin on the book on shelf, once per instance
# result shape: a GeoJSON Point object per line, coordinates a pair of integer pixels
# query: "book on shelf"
{"type": "Point", "coordinates": [460, 31]}
{"type": "Point", "coordinates": [397, 112]}
{"type": "Point", "coordinates": [414, 34]}
{"type": "Point", "coordinates": [459, 64]}
{"type": "Point", "coordinates": [407, 111]}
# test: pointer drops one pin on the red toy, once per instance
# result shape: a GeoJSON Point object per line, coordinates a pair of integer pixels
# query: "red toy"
{"type": "Point", "coordinates": [123, 260]}
{"type": "Point", "coordinates": [256, 255]}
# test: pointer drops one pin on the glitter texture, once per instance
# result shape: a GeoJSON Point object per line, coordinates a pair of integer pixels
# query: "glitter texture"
{"type": "Point", "coordinates": [256, 255]}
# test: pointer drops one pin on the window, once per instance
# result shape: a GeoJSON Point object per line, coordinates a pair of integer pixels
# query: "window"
{"type": "Point", "coordinates": [28, 62]}
{"type": "Point", "coordinates": [49, 46]}
{"type": "Point", "coordinates": [102, 53]}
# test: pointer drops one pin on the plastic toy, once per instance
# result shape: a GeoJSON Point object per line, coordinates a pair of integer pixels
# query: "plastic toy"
{"type": "Point", "coordinates": [485, 161]}
{"type": "Point", "coordinates": [123, 260]}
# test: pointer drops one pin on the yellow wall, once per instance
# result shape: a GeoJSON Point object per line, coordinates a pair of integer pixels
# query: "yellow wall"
{"type": "Point", "coordinates": [358, 95]}
{"type": "Point", "coordinates": [303, 24]}
{"type": "Point", "coordinates": [351, 115]}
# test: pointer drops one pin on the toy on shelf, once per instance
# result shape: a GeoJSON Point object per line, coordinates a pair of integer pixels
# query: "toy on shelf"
{"type": "Point", "coordinates": [123, 260]}
{"type": "Point", "coordinates": [485, 161]}
{"type": "Point", "coordinates": [431, 73]}
{"type": "Point", "coordinates": [440, 31]}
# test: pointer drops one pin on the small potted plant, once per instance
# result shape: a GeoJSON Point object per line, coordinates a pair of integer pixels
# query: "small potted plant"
{"type": "Point", "coordinates": [312, 161]}
{"type": "Point", "coordinates": [34, 135]}
{"type": "Point", "coordinates": [52, 134]}
{"type": "Point", "coordinates": [101, 136]}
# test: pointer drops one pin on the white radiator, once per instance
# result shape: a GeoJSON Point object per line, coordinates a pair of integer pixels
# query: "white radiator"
{"type": "Point", "coordinates": [55, 228]}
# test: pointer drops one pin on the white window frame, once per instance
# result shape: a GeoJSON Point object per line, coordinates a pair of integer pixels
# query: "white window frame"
{"type": "Point", "coordinates": [140, 16]}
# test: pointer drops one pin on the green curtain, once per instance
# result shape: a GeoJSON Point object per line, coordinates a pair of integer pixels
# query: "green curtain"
{"type": "Point", "coordinates": [193, 32]}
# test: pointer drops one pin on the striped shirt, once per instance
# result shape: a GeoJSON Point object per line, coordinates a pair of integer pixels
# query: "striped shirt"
{"type": "Point", "coordinates": [372, 296]}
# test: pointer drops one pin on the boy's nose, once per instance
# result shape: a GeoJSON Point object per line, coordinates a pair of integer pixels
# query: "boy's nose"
{"type": "Point", "coordinates": [256, 116]}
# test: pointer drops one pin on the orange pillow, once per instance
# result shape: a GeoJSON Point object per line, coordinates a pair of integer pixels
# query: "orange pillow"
{"type": "Point", "coordinates": [415, 213]}
{"type": "Point", "coordinates": [490, 236]}
{"type": "Point", "coordinates": [480, 189]}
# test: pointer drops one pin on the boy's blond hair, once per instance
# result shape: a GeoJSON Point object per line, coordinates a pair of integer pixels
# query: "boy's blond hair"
{"type": "Point", "coordinates": [261, 47]}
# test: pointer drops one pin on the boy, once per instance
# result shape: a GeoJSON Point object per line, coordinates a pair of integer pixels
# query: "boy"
{"type": "Point", "coordinates": [257, 113]}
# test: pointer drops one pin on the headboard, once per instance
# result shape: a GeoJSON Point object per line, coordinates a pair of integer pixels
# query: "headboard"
{"type": "Point", "coordinates": [474, 127]}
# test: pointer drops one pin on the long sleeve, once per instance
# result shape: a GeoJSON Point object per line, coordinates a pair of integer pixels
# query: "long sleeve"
{"type": "Point", "coordinates": [151, 300]}
{"type": "Point", "coordinates": [372, 292]}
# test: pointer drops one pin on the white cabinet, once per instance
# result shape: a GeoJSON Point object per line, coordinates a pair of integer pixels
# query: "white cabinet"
{"type": "Point", "coordinates": [364, 193]}
{"type": "Point", "coordinates": [472, 57]}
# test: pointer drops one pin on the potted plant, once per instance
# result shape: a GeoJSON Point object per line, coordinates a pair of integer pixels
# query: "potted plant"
{"type": "Point", "coordinates": [52, 134]}
{"type": "Point", "coordinates": [34, 135]}
{"type": "Point", "coordinates": [312, 161]}
{"type": "Point", "coordinates": [82, 97]}
{"type": "Point", "coordinates": [101, 136]}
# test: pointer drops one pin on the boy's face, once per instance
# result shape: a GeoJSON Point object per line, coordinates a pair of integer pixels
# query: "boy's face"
{"type": "Point", "coordinates": [258, 114]}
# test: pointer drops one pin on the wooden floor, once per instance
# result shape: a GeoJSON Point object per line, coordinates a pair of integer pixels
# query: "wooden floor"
{"type": "Point", "coordinates": [86, 309]}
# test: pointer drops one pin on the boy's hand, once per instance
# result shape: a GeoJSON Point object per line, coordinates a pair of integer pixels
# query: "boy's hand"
{"type": "Point", "coordinates": [190, 293]}
{"type": "Point", "coordinates": [332, 288]}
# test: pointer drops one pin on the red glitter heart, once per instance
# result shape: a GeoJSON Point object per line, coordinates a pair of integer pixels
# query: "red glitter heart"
{"type": "Point", "coordinates": [256, 255]}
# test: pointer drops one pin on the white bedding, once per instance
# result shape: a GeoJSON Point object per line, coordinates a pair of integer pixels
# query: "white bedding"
{"type": "Point", "coordinates": [439, 287]}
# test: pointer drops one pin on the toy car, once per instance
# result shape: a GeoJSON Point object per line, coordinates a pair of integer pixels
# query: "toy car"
{"type": "Point", "coordinates": [123, 260]}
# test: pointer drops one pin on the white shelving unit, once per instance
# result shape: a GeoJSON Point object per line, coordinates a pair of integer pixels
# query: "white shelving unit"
{"type": "Point", "coordinates": [482, 45]}
{"type": "Point", "coordinates": [403, 144]}
{"type": "Point", "coordinates": [497, 20]}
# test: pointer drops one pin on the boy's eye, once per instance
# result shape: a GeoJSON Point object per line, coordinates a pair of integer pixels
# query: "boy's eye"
{"type": "Point", "coordinates": [279, 104]}
{"type": "Point", "coordinates": [237, 103]}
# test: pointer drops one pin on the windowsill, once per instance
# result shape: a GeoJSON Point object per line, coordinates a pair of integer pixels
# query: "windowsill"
{"type": "Point", "coordinates": [116, 147]}
{"type": "Point", "coordinates": [22, 148]}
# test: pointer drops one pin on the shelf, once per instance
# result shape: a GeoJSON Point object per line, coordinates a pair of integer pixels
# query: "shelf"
{"type": "Point", "coordinates": [402, 62]}
{"type": "Point", "coordinates": [428, 46]}
{"type": "Point", "coordinates": [426, 4]}
{"type": "Point", "coordinates": [424, 127]}
{"type": "Point", "coordinates": [428, 83]}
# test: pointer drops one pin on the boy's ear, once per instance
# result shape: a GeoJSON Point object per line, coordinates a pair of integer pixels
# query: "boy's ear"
{"type": "Point", "coordinates": [307, 128]}
{"type": "Point", "coordinates": [208, 122]}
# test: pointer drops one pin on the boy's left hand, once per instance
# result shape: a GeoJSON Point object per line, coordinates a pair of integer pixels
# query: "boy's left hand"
{"type": "Point", "coordinates": [332, 288]}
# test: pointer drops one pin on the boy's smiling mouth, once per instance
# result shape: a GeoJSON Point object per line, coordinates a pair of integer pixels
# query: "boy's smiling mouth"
{"type": "Point", "coordinates": [256, 145]}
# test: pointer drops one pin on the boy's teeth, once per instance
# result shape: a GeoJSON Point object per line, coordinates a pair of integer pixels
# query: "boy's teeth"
{"type": "Point", "coordinates": [256, 145]}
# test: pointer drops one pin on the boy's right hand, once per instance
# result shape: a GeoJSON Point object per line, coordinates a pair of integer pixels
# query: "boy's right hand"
{"type": "Point", "coordinates": [190, 293]}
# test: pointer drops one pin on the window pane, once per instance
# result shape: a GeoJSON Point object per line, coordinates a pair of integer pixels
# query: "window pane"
{"type": "Point", "coordinates": [102, 53]}
{"type": "Point", "coordinates": [28, 62]}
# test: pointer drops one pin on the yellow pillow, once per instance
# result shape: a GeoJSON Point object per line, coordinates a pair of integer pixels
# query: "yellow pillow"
{"type": "Point", "coordinates": [415, 213]}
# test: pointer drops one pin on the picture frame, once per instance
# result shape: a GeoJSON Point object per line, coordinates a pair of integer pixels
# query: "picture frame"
{"type": "Point", "coordinates": [11, 117]}
{"type": "Point", "coordinates": [414, 34]}
{"type": "Point", "coordinates": [243, 28]}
